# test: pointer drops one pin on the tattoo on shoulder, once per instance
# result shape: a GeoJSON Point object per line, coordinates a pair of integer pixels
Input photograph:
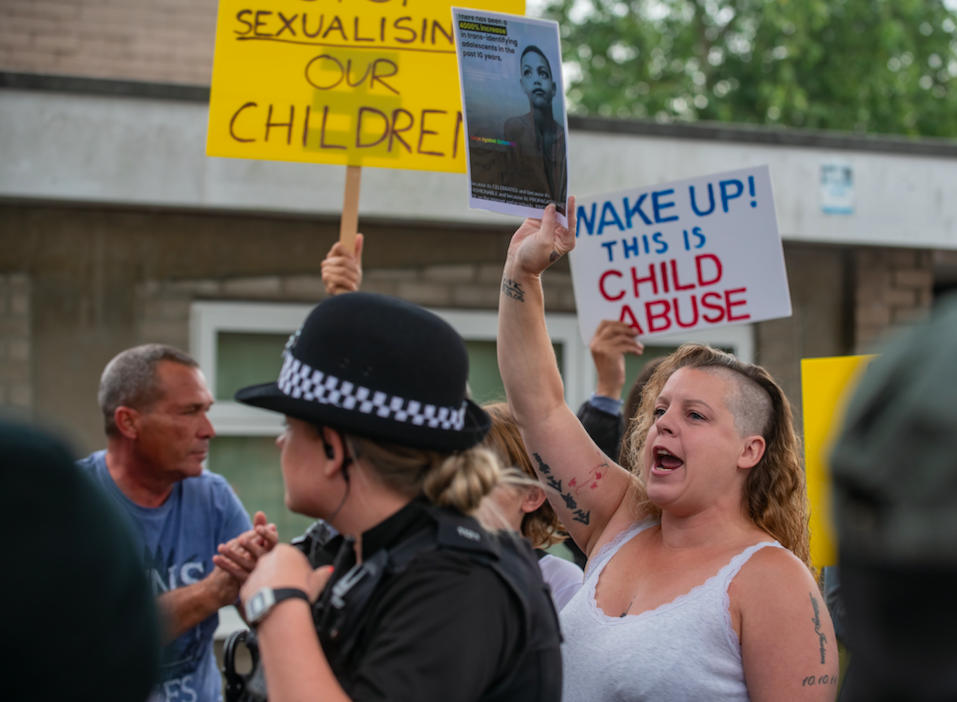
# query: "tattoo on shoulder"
{"type": "Point", "coordinates": [513, 290]}
{"type": "Point", "coordinates": [822, 637]}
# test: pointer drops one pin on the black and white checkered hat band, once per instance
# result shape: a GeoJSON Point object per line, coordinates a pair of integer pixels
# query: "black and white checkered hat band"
{"type": "Point", "coordinates": [301, 381]}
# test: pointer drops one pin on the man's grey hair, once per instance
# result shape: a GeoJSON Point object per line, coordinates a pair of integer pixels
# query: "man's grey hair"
{"type": "Point", "coordinates": [130, 380]}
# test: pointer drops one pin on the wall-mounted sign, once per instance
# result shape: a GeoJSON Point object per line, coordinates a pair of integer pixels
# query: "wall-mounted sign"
{"type": "Point", "coordinates": [837, 187]}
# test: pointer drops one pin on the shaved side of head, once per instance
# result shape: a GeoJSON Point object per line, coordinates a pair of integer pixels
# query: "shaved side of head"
{"type": "Point", "coordinates": [749, 402]}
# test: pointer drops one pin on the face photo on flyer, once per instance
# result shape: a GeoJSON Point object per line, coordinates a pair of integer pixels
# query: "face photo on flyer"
{"type": "Point", "coordinates": [516, 126]}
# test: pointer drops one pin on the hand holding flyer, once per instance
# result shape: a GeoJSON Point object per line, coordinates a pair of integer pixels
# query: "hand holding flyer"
{"type": "Point", "coordinates": [515, 117]}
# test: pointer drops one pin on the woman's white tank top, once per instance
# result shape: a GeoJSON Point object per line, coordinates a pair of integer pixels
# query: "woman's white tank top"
{"type": "Point", "coordinates": [683, 650]}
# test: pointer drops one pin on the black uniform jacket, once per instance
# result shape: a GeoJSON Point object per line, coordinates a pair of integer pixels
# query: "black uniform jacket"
{"type": "Point", "coordinates": [449, 629]}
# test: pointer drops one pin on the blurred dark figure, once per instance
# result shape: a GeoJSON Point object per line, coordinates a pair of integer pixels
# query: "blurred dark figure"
{"type": "Point", "coordinates": [895, 490]}
{"type": "Point", "coordinates": [79, 619]}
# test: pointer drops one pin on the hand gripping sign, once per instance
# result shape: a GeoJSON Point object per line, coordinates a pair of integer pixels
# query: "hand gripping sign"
{"type": "Point", "coordinates": [351, 82]}
{"type": "Point", "coordinates": [692, 254]}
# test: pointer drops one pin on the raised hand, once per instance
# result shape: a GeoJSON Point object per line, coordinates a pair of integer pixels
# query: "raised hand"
{"type": "Point", "coordinates": [612, 340]}
{"type": "Point", "coordinates": [538, 243]}
{"type": "Point", "coordinates": [341, 270]}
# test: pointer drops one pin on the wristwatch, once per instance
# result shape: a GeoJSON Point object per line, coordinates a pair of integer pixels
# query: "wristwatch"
{"type": "Point", "coordinates": [265, 599]}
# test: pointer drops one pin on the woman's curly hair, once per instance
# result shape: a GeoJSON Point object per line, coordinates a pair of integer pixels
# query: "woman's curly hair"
{"type": "Point", "coordinates": [775, 496]}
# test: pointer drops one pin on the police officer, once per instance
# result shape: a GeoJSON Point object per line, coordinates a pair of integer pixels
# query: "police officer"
{"type": "Point", "coordinates": [422, 603]}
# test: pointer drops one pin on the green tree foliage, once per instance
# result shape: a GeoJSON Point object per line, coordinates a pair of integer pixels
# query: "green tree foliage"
{"type": "Point", "coordinates": [885, 66]}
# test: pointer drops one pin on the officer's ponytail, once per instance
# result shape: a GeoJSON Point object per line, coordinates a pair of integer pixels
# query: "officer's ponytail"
{"type": "Point", "coordinates": [463, 479]}
{"type": "Point", "coordinates": [459, 480]}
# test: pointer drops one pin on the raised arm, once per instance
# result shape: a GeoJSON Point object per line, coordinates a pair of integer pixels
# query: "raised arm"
{"type": "Point", "coordinates": [586, 488]}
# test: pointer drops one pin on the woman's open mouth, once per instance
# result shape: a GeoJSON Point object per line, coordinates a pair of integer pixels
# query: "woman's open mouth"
{"type": "Point", "coordinates": [665, 461]}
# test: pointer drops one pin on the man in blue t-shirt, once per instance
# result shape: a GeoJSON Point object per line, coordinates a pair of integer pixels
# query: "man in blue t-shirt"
{"type": "Point", "coordinates": [154, 401]}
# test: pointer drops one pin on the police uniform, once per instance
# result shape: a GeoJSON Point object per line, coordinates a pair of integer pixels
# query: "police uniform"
{"type": "Point", "coordinates": [449, 627]}
{"type": "Point", "coordinates": [438, 609]}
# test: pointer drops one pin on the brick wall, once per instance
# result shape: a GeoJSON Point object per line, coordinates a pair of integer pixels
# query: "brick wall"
{"type": "Point", "coordinates": [166, 41]}
{"type": "Point", "coordinates": [162, 308]}
{"type": "Point", "coordinates": [16, 372]}
{"type": "Point", "coordinates": [892, 287]}
{"type": "Point", "coordinates": [818, 324]}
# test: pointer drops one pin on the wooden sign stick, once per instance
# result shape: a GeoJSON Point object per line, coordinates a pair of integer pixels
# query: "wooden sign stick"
{"type": "Point", "coordinates": [349, 224]}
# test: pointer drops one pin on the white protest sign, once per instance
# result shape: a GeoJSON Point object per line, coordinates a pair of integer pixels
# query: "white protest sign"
{"type": "Point", "coordinates": [514, 112]}
{"type": "Point", "coordinates": [692, 254]}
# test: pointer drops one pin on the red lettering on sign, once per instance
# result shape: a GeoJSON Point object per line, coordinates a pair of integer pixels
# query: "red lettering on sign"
{"type": "Point", "coordinates": [737, 303]}
{"type": "Point", "coordinates": [629, 317]}
{"type": "Point", "coordinates": [601, 286]}
{"type": "Point", "coordinates": [652, 278]}
{"type": "Point", "coordinates": [717, 266]}
{"type": "Point", "coordinates": [652, 315]}
{"type": "Point", "coordinates": [694, 312]}
{"type": "Point", "coordinates": [719, 308]}
{"type": "Point", "coordinates": [674, 276]}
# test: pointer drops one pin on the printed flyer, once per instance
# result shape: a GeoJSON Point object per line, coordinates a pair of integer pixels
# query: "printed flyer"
{"type": "Point", "coordinates": [516, 125]}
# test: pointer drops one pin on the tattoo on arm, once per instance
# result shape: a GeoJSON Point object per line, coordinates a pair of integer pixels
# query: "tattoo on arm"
{"type": "Point", "coordinates": [542, 466]}
{"type": "Point", "coordinates": [818, 680]}
{"type": "Point", "coordinates": [554, 256]}
{"type": "Point", "coordinates": [513, 290]}
{"type": "Point", "coordinates": [589, 481]}
{"type": "Point", "coordinates": [822, 637]}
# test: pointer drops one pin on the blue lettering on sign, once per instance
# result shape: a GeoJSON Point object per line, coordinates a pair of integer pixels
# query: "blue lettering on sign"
{"type": "Point", "coordinates": [662, 245]}
{"type": "Point", "coordinates": [631, 211]}
{"type": "Point", "coordinates": [608, 247]}
{"type": "Point", "coordinates": [726, 197]}
{"type": "Point", "coordinates": [632, 248]}
{"type": "Point", "coordinates": [583, 218]}
{"type": "Point", "coordinates": [659, 206]}
{"type": "Point", "coordinates": [694, 204]}
{"type": "Point", "coordinates": [607, 209]}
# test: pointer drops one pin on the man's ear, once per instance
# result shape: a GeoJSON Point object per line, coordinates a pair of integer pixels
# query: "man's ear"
{"type": "Point", "coordinates": [752, 452]}
{"type": "Point", "coordinates": [127, 421]}
{"type": "Point", "coordinates": [534, 498]}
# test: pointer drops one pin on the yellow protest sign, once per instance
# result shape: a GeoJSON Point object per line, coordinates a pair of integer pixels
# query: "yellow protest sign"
{"type": "Point", "coordinates": [351, 82]}
{"type": "Point", "coordinates": [826, 386]}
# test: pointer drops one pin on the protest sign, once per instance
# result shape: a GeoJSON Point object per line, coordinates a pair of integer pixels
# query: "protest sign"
{"type": "Point", "coordinates": [356, 82]}
{"type": "Point", "coordinates": [516, 124]}
{"type": "Point", "coordinates": [692, 254]}
{"type": "Point", "coordinates": [826, 388]}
